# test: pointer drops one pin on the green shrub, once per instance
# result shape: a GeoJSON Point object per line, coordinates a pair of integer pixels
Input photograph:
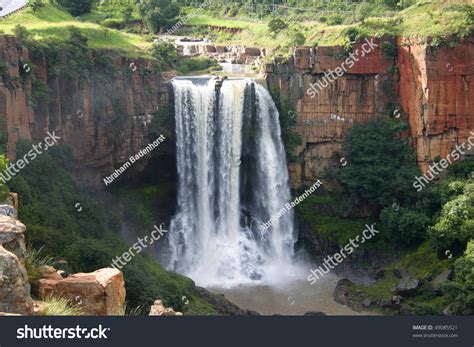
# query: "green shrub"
{"type": "Point", "coordinates": [199, 63]}
{"type": "Point", "coordinates": [390, 49]}
{"type": "Point", "coordinates": [3, 186]}
{"type": "Point", "coordinates": [290, 137]}
{"type": "Point", "coordinates": [276, 25]}
{"type": "Point", "coordinates": [380, 167]}
{"type": "Point", "coordinates": [405, 225]}
{"type": "Point", "coordinates": [37, 5]}
{"type": "Point", "coordinates": [21, 33]}
{"type": "Point", "coordinates": [113, 23]}
{"type": "Point", "coordinates": [297, 38]}
{"type": "Point", "coordinates": [166, 55]}
{"type": "Point", "coordinates": [465, 266]}
{"type": "Point", "coordinates": [76, 7]}
{"type": "Point", "coordinates": [455, 226]}
{"type": "Point", "coordinates": [35, 260]}
{"type": "Point", "coordinates": [335, 19]}
{"type": "Point", "coordinates": [364, 10]}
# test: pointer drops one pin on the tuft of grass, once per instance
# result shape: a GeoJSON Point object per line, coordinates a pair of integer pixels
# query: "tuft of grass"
{"type": "Point", "coordinates": [134, 311]}
{"type": "Point", "coordinates": [57, 306]}
{"type": "Point", "coordinates": [35, 260]}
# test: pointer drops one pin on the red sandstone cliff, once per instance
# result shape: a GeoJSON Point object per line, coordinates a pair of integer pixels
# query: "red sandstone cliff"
{"type": "Point", "coordinates": [432, 86]}
{"type": "Point", "coordinates": [437, 94]}
{"type": "Point", "coordinates": [101, 139]}
{"type": "Point", "coordinates": [360, 94]}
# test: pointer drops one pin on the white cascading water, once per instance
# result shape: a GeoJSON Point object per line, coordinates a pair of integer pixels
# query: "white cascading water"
{"type": "Point", "coordinates": [232, 178]}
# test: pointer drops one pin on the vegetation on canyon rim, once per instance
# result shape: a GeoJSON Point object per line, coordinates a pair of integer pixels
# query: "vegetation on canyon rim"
{"type": "Point", "coordinates": [129, 28]}
{"type": "Point", "coordinates": [420, 226]}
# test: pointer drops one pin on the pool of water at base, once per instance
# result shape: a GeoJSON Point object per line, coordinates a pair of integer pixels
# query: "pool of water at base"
{"type": "Point", "coordinates": [295, 298]}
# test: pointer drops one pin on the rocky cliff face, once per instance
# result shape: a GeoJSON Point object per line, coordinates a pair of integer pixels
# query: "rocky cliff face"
{"type": "Point", "coordinates": [437, 94]}
{"type": "Point", "coordinates": [102, 135]}
{"type": "Point", "coordinates": [430, 88]}
{"type": "Point", "coordinates": [323, 117]}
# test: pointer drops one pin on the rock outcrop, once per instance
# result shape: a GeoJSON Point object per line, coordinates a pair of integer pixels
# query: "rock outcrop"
{"type": "Point", "coordinates": [229, 54]}
{"type": "Point", "coordinates": [407, 286]}
{"type": "Point", "coordinates": [158, 309]}
{"type": "Point", "coordinates": [99, 293]}
{"type": "Point", "coordinates": [430, 86]}
{"type": "Point", "coordinates": [14, 287]}
{"type": "Point", "coordinates": [222, 305]}
{"type": "Point", "coordinates": [102, 130]}
{"type": "Point", "coordinates": [12, 235]}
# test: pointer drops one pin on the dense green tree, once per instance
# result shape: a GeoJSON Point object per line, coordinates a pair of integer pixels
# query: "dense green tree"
{"type": "Point", "coordinates": [276, 25]}
{"type": "Point", "coordinates": [461, 290]}
{"type": "Point", "coordinates": [166, 55]}
{"type": "Point", "coordinates": [76, 7]}
{"type": "Point", "coordinates": [380, 165]}
{"type": "Point", "coordinates": [406, 226]}
{"type": "Point", "coordinates": [158, 14]}
{"type": "Point", "coordinates": [36, 5]}
{"type": "Point", "coordinates": [455, 226]}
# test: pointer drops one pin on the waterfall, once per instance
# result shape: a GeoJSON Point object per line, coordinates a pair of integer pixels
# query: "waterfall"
{"type": "Point", "coordinates": [232, 178]}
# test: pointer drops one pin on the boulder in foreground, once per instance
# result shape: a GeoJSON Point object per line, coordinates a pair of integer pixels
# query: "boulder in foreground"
{"type": "Point", "coordinates": [99, 293]}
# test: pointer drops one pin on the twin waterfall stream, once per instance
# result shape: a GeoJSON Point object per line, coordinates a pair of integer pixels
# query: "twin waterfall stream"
{"type": "Point", "coordinates": [233, 178]}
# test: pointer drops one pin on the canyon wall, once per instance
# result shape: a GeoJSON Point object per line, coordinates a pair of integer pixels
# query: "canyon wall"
{"type": "Point", "coordinates": [102, 135]}
{"type": "Point", "coordinates": [324, 117]}
{"type": "Point", "coordinates": [428, 88]}
{"type": "Point", "coordinates": [437, 94]}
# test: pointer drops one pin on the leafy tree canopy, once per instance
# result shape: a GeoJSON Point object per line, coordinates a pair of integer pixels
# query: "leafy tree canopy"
{"type": "Point", "coordinates": [76, 7]}
{"type": "Point", "coordinates": [380, 166]}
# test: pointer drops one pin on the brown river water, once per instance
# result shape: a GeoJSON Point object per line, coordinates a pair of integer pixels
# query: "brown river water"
{"type": "Point", "coordinates": [295, 298]}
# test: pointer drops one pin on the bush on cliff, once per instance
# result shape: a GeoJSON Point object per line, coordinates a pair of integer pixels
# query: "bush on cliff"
{"type": "Point", "coordinates": [380, 166]}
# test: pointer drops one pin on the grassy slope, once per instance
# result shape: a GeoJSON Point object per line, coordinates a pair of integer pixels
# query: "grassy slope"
{"type": "Point", "coordinates": [51, 22]}
{"type": "Point", "coordinates": [424, 19]}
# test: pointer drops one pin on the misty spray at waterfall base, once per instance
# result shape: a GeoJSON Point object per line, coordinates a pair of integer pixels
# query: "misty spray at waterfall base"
{"type": "Point", "coordinates": [232, 178]}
